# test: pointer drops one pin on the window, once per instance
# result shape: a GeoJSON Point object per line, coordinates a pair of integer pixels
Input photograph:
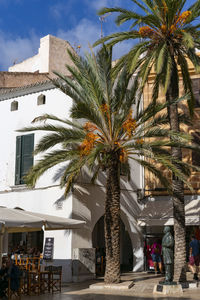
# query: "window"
{"type": "Point", "coordinates": [14, 106]}
{"type": "Point", "coordinates": [24, 156]}
{"type": "Point", "coordinates": [195, 155]}
{"type": "Point", "coordinates": [41, 99]}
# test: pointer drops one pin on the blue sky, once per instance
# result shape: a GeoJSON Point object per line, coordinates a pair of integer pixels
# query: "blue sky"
{"type": "Point", "coordinates": [24, 22]}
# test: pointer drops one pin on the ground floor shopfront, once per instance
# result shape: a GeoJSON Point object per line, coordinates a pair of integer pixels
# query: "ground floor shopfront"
{"type": "Point", "coordinates": [76, 250]}
{"type": "Point", "coordinates": [155, 233]}
{"type": "Point", "coordinates": [157, 213]}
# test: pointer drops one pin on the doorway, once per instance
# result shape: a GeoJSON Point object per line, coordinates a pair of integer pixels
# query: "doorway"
{"type": "Point", "coordinates": [126, 250]}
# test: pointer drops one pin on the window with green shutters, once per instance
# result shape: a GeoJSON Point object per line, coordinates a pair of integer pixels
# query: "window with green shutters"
{"type": "Point", "coordinates": [24, 156]}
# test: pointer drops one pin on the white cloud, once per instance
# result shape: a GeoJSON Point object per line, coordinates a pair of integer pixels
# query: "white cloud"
{"type": "Point", "coordinates": [56, 10]}
{"type": "Point", "coordinates": [82, 34]}
{"type": "Point", "coordinates": [59, 9]}
{"type": "Point", "coordinates": [87, 32]}
{"type": "Point", "coordinates": [16, 49]}
{"type": "Point", "coordinates": [94, 4]}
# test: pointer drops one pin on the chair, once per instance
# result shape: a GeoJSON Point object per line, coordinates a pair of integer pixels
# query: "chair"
{"type": "Point", "coordinates": [16, 258]}
{"type": "Point", "coordinates": [33, 264]}
{"type": "Point", "coordinates": [55, 278]}
{"type": "Point", "coordinates": [33, 283]}
{"type": "Point", "coordinates": [33, 274]}
{"type": "Point", "coordinates": [23, 263]}
{"type": "Point", "coordinates": [45, 281]}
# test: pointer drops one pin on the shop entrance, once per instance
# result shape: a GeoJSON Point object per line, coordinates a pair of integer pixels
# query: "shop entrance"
{"type": "Point", "coordinates": [126, 250]}
{"type": "Point", "coordinates": [155, 233]}
{"type": "Point", "coordinates": [151, 234]}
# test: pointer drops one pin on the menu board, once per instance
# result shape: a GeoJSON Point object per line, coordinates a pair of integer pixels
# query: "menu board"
{"type": "Point", "coordinates": [48, 248]}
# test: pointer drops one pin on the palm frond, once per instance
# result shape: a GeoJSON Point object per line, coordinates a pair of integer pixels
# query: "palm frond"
{"type": "Point", "coordinates": [118, 37]}
{"type": "Point", "coordinates": [47, 162]}
{"type": "Point", "coordinates": [68, 137]}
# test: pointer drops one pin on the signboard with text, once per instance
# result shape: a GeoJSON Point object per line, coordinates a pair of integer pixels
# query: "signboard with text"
{"type": "Point", "coordinates": [48, 248]}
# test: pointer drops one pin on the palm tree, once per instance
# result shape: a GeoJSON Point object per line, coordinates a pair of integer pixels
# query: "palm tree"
{"type": "Point", "coordinates": [167, 36]}
{"type": "Point", "coordinates": [110, 136]}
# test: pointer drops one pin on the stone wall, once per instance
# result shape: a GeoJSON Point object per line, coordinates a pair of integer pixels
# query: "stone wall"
{"type": "Point", "coordinates": [19, 79]}
{"type": "Point", "coordinates": [152, 184]}
{"type": "Point", "coordinates": [83, 264]}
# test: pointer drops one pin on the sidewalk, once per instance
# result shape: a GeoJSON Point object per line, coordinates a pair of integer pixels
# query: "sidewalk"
{"type": "Point", "coordinates": [142, 289]}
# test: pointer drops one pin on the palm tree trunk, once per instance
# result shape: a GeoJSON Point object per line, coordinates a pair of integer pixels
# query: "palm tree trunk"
{"type": "Point", "coordinates": [112, 222]}
{"type": "Point", "coordinates": [177, 186]}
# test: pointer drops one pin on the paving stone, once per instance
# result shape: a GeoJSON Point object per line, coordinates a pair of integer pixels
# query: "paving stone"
{"type": "Point", "coordinates": [141, 290]}
{"type": "Point", "coordinates": [119, 286]}
{"type": "Point", "coordinates": [163, 289]}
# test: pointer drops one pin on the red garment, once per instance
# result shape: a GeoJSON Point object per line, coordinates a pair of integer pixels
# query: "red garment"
{"type": "Point", "coordinates": [155, 247]}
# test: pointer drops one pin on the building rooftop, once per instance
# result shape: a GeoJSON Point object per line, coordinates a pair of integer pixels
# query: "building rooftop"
{"type": "Point", "coordinates": [52, 56]}
{"type": "Point", "coordinates": [9, 93]}
{"type": "Point", "coordinates": [18, 79]}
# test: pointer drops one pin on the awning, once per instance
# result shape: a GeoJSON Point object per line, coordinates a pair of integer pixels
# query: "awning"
{"type": "Point", "coordinates": [160, 212]}
{"type": "Point", "coordinates": [19, 220]}
{"type": "Point", "coordinates": [23, 220]}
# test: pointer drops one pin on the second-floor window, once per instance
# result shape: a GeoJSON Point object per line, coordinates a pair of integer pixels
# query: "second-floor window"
{"type": "Point", "coordinates": [24, 156]}
{"type": "Point", "coordinates": [41, 100]}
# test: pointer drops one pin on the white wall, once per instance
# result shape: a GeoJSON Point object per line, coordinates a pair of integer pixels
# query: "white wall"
{"type": "Point", "coordinates": [87, 202]}
{"type": "Point", "coordinates": [43, 198]}
{"type": "Point", "coordinates": [56, 103]}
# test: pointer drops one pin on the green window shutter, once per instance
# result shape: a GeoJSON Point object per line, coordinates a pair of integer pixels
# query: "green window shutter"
{"type": "Point", "coordinates": [18, 160]}
{"type": "Point", "coordinates": [26, 154]}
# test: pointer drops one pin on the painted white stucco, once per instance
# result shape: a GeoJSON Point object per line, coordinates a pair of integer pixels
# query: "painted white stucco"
{"type": "Point", "coordinates": [43, 198]}
{"type": "Point", "coordinates": [87, 200]}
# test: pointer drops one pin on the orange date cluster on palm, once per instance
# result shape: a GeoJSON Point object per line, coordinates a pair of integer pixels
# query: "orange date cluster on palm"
{"type": "Point", "coordinates": [88, 143]}
{"type": "Point", "coordinates": [90, 138]}
{"type": "Point", "coordinates": [129, 125]}
{"type": "Point", "coordinates": [179, 22]}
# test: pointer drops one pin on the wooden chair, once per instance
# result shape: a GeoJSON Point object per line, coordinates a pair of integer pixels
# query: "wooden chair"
{"type": "Point", "coordinates": [23, 263]}
{"type": "Point", "coordinates": [45, 281]}
{"type": "Point", "coordinates": [55, 278]}
{"type": "Point", "coordinates": [31, 279]}
{"type": "Point", "coordinates": [16, 259]}
{"type": "Point", "coordinates": [33, 283]}
{"type": "Point", "coordinates": [33, 264]}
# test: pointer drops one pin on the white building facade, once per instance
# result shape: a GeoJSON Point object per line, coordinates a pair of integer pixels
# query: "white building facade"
{"type": "Point", "coordinates": [18, 108]}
